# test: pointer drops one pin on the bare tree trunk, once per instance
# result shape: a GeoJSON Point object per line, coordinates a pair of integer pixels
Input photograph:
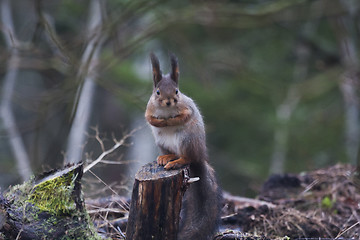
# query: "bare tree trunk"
{"type": "Point", "coordinates": [285, 110]}
{"type": "Point", "coordinates": [85, 95]}
{"type": "Point", "coordinates": [349, 82]}
{"type": "Point", "coordinates": [16, 142]}
{"type": "Point", "coordinates": [351, 107]}
{"type": "Point", "coordinates": [283, 115]}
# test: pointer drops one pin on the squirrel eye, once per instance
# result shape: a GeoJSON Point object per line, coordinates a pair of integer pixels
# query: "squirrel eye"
{"type": "Point", "coordinates": [176, 91]}
{"type": "Point", "coordinates": [158, 92]}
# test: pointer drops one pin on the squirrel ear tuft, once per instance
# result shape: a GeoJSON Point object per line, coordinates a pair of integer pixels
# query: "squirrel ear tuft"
{"type": "Point", "coordinates": [157, 75]}
{"type": "Point", "coordinates": [174, 68]}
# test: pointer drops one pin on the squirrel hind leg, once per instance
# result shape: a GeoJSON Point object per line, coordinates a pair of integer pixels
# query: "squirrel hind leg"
{"type": "Point", "coordinates": [177, 163]}
{"type": "Point", "coordinates": [164, 159]}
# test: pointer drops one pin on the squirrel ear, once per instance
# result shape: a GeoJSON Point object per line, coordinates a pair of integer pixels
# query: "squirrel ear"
{"type": "Point", "coordinates": [157, 75]}
{"type": "Point", "coordinates": [174, 68]}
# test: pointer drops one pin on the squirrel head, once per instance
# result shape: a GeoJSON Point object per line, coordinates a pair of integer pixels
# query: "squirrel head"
{"type": "Point", "coordinates": [166, 91]}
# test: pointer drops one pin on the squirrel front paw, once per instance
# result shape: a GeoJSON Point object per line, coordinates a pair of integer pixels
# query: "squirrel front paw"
{"type": "Point", "coordinates": [164, 159]}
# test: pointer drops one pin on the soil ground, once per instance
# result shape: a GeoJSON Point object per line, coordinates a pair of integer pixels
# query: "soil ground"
{"type": "Point", "coordinates": [322, 204]}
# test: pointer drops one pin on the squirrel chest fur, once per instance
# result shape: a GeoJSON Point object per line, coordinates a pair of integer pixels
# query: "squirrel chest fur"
{"type": "Point", "coordinates": [173, 138]}
{"type": "Point", "coordinates": [179, 132]}
{"type": "Point", "coordinates": [168, 138]}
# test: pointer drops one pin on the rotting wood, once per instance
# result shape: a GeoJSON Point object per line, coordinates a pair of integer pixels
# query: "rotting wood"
{"type": "Point", "coordinates": [49, 206]}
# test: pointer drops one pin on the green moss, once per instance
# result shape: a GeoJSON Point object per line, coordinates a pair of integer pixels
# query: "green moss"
{"type": "Point", "coordinates": [18, 193]}
{"type": "Point", "coordinates": [327, 202]}
{"type": "Point", "coordinates": [50, 207]}
{"type": "Point", "coordinates": [54, 195]}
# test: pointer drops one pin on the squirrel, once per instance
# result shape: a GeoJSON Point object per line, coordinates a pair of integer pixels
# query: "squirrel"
{"type": "Point", "coordinates": [179, 132]}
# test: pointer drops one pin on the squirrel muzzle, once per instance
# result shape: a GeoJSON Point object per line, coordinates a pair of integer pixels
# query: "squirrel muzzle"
{"type": "Point", "coordinates": [168, 102]}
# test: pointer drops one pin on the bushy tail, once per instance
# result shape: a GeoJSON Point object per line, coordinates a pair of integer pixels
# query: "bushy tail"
{"type": "Point", "coordinates": [200, 214]}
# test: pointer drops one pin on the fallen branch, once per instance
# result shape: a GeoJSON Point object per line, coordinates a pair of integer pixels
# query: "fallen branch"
{"type": "Point", "coordinates": [242, 202]}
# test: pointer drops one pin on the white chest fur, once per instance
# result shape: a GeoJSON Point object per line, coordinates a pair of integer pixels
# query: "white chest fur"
{"type": "Point", "coordinates": [168, 138]}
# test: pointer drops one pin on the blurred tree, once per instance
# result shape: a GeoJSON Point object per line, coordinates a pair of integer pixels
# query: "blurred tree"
{"type": "Point", "coordinates": [346, 33]}
{"type": "Point", "coordinates": [86, 90]}
{"type": "Point", "coordinates": [13, 46]}
{"type": "Point", "coordinates": [266, 75]}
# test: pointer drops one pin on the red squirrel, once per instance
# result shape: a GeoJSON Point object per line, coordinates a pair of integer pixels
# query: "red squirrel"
{"type": "Point", "coordinates": [179, 132]}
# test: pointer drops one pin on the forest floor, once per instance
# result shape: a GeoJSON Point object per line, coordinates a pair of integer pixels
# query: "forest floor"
{"type": "Point", "coordinates": [321, 204]}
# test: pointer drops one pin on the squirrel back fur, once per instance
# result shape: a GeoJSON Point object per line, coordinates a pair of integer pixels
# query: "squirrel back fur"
{"type": "Point", "coordinates": [179, 132]}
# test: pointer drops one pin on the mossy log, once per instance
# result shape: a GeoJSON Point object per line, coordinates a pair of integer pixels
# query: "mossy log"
{"type": "Point", "coordinates": [47, 207]}
{"type": "Point", "coordinates": [156, 203]}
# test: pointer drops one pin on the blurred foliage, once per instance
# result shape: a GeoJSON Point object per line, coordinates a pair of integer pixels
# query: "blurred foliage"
{"type": "Point", "coordinates": [237, 61]}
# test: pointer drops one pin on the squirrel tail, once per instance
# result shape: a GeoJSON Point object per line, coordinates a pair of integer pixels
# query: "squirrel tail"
{"type": "Point", "coordinates": [200, 214]}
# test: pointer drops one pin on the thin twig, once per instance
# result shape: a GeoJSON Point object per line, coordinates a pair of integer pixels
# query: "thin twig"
{"type": "Point", "coordinates": [113, 210]}
{"type": "Point", "coordinates": [123, 204]}
{"type": "Point", "coordinates": [118, 162]}
{"type": "Point", "coordinates": [55, 43]}
{"type": "Point", "coordinates": [344, 231]}
{"type": "Point", "coordinates": [110, 224]}
{"type": "Point", "coordinates": [19, 234]}
{"type": "Point", "coordinates": [98, 138]}
{"type": "Point", "coordinates": [112, 149]}
{"type": "Point", "coordinates": [310, 186]}
{"type": "Point", "coordinates": [121, 233]}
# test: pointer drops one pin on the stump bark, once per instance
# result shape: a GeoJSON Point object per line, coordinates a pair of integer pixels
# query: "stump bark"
{"type": "Point", "coordinates": [156, 203]}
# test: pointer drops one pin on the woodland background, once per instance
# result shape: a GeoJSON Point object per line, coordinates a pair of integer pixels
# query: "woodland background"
{"type": "Point", "coordinates": [277, 82]}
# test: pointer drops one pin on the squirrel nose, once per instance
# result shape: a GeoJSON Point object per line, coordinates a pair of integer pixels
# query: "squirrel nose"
{"type": "Point", "coordinates": [168, 103]}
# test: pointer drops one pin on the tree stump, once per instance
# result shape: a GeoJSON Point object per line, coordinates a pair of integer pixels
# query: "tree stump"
{"type": "Point", "coordinates": [156, 203]}
{"type": "Point", "coordinates": [49, 206]}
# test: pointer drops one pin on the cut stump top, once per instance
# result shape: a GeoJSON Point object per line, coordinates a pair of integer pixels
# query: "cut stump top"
{"type": "Point", "coordinates": [153, 171]}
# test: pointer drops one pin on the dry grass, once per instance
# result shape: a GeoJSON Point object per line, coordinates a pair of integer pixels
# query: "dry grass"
{"type": "Point", "coordinates": [318, 204]}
